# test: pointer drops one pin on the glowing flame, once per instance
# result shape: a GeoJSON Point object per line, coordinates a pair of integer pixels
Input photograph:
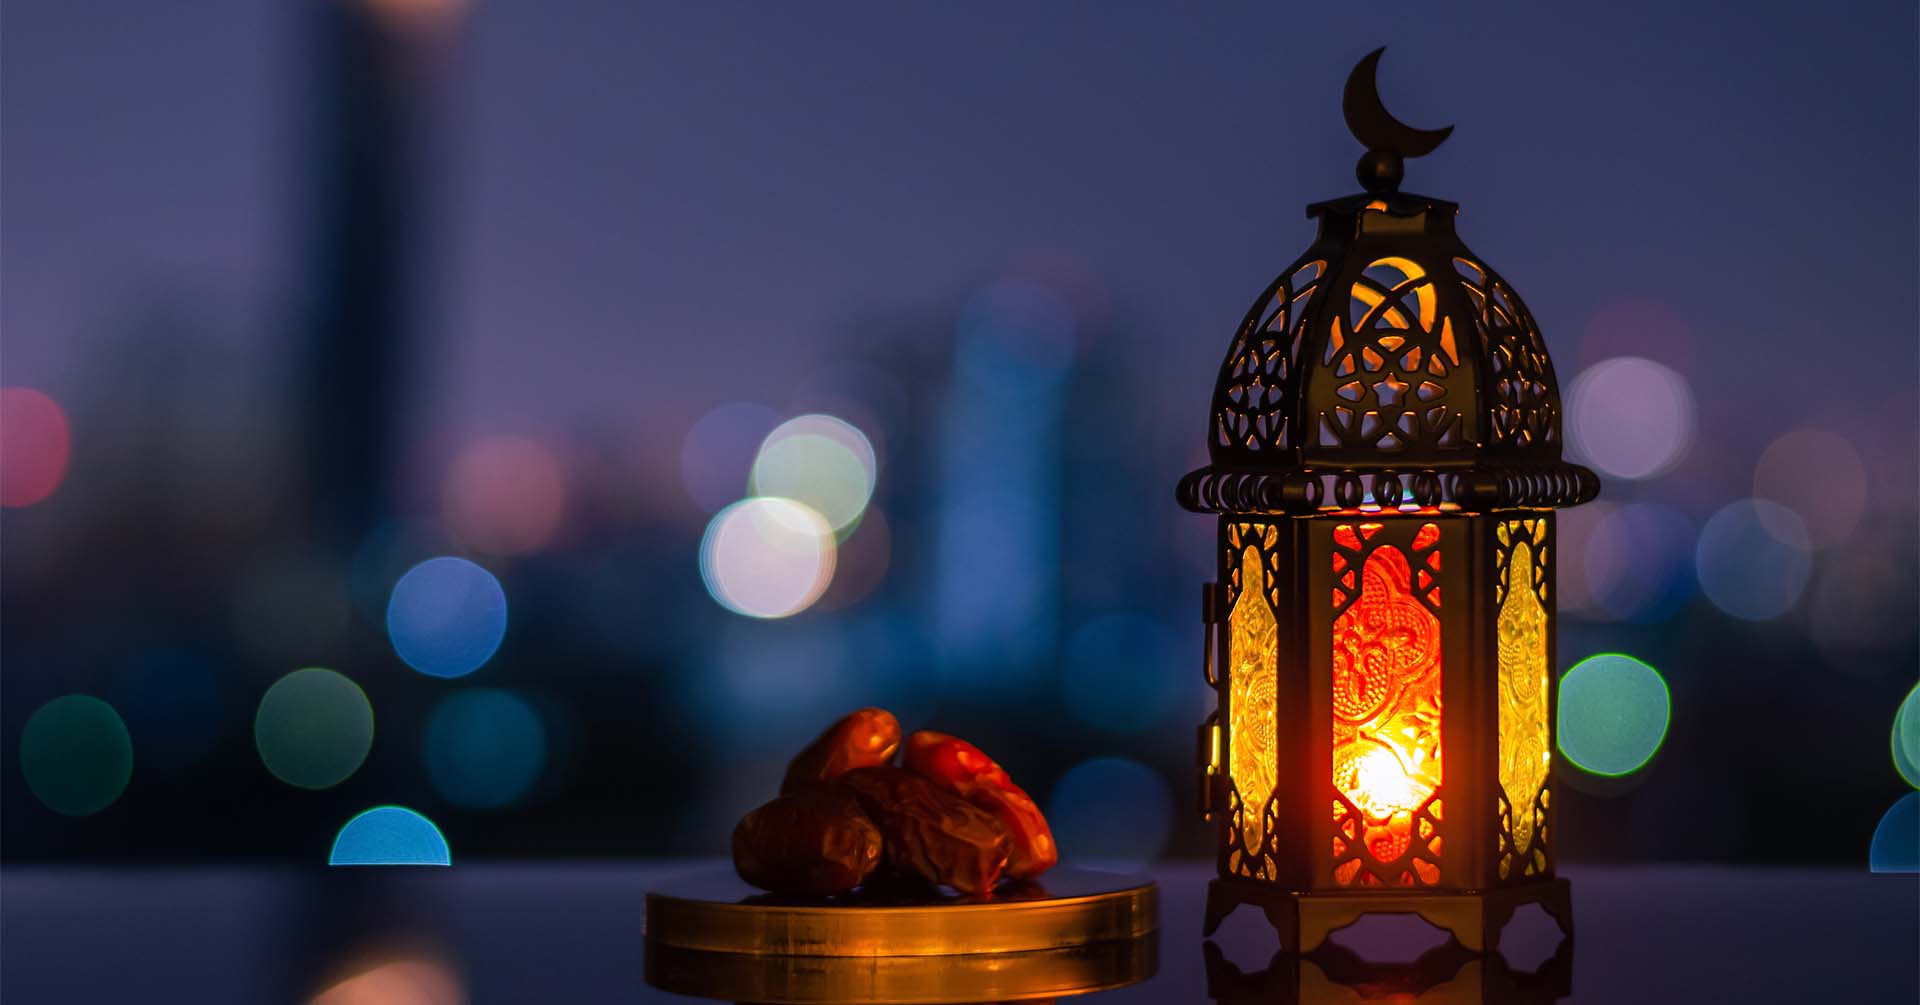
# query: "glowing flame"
{"type": "Point", "coordinates": [1382, 786]}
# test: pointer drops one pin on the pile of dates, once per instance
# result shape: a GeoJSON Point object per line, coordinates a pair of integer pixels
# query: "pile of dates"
{"type": "Point", "coordinates": [848, 816]}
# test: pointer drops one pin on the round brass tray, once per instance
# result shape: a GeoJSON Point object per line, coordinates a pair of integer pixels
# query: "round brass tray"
{"type": "Point", "coordinates": [869, 980]}
{"type": "Point", "coordinates": [716, 912]}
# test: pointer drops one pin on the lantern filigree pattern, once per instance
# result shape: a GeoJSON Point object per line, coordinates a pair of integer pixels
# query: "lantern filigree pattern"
{"type": "Point", "coordinates": [1261, 369]}
{"type": "Point", "coordinates": [1524, 408]}
{"type": "Point", "coordinates": [1386, 709]}
{"type": "Point", "coordinates": [1254, 649]}
{"type": "Point", "coordinates": [1526, 748]}
{"type": "Point", "coordinates": [1390, 356]}
{"type": "Point", "coordinates": [1386, 403]}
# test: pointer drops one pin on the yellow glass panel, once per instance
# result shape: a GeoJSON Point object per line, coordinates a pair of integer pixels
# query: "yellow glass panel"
{"type": "Point", "coordinates": [1253, 650]}
{"type": "Point", "coordinates": [1386, 717]}
{"type": "Point", "coordinates": [1525, 753]}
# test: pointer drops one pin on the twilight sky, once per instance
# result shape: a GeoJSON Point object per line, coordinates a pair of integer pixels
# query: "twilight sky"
{"type": "Point", "coordinates": [650, 207]}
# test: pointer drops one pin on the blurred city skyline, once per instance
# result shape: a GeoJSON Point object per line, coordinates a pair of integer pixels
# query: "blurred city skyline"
{"type": "Point", "coordinates": [1007, 249]}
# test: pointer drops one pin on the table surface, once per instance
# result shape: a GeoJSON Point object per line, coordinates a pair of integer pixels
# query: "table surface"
{"type": "Point", "coordinates": [572, 932]}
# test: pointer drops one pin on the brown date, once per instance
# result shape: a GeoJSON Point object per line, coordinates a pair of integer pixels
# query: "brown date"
{"type": "Point", "coordinates": [860, 739]}
{"type": "Point", "coordinates": [931, 832]}
{"type": "Point", "coordinates": [964, 770]}
{"type": "Point", "coordinates": [810, 843]}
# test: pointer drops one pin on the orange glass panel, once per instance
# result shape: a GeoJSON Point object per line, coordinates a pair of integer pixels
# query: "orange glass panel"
{"type": "Point", "coordinates": [1386, 723]}
{"type": "Point", "coordinates": [1253, 647]}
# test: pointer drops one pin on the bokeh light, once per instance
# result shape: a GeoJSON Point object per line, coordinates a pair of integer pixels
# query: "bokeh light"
{"type": "Point", "coordinates": [1861, 608]}
{"type": "Point", "coordinates": [485, 748]}
{"type": "Point", "coordinates": [447, 617]}
{"type": "Point", "coordinates": [1896, 842]}
{"type": "Point", "coordinates": [767, 557]}
{"type": "Point", "coordinates": [868, 396]}
{"type": "Point", "coordinates": [384, 555]}
{"type": "Point", "coordinates": [1905, 740]}
{"type": "Point", "coordinates": [76, 755]}
{"type": "Point", "coordinates": [1753, 559]}
{"type": "Point", "coordinates": [1111, 813]}
{"type": "Point", "coordinates": [1630, 417]}
{"type": "Point", "coordinates": [1638, 563]}
{"type": "Point", "coordinates": [1819, 477]}
{"type": "Point", "coordinates": [820, 461]}
{"type": "Point", "coordinates": [505, 496]}
{"type": "Point", "coordinates": [1121, 673]}
{"type": "Point", "coordinates": [717, 459]}
{"type": "Point", "coordinates": [1614, 712]}
{"type": "Point", "coordinates": [36, 445]}
{"type": "Point", "coordinates": [314, 728]}
{"type": "Point", "coordinates": [402, 981]}
{"type": "Point", "coordinates": [390, 835]}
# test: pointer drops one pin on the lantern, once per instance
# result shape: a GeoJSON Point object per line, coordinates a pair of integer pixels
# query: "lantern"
{"type": "Point", "coordinates": [1384, 458]}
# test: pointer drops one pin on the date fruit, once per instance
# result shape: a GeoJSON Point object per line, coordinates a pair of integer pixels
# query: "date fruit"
{"type": "Point", "coordinates": [930, 832]}
{"type": "Point", "coordinates": [810, 843]}
{"type": "Point", "coordinates": [861, 739]}
{"type": "Point", "coordinates": [963, 769]}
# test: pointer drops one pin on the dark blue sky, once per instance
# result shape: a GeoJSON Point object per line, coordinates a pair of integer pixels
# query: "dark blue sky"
{"type": "Point", "coordinates": [654, 207]}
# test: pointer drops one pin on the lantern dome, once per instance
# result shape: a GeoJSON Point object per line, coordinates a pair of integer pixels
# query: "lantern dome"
{"type": "Point", "coordinates": [1388, 366]}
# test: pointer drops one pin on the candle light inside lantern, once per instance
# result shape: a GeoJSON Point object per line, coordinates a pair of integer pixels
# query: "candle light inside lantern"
{"type": "Point", "coordinates": [1383, 787]}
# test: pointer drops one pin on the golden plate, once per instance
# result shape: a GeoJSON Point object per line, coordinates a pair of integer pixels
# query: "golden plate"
{"type": "Point", "coordinates": [803, 980]}
{"type": "Point", "coordinates": [716, 912]}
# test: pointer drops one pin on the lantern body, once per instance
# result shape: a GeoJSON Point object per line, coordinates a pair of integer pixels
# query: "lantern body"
{"type": "Point", "coordinates": [1385, 461]}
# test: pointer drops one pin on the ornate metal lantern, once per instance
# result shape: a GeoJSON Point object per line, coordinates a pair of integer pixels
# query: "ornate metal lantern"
{"type": "Point", "coordinates": [1385, 459]}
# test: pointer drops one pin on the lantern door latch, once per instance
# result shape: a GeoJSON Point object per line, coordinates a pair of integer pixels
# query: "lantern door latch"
{"type": "Point", "coordinates": [1207, 753]}
{"type": "Point", "coordinates": [1210, 616]}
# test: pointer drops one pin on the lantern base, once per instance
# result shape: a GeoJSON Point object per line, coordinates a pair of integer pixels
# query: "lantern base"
{"type": "Point", "coordinates": [1475, 918]}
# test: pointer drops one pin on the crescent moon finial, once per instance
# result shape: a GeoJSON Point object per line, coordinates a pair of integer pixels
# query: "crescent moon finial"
{"type": "Point", "coordinates": [1388, 140]}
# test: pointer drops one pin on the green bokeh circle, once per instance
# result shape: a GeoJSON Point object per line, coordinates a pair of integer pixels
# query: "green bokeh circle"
{"type": "Point", "coordinates": [314, 728]}
{"type": "Point", "coordinates": [76, 755]}
{"type": "Point", "coordinates": [1906, 738]}
{"type": "Point", "coordinates": [1614, 712]}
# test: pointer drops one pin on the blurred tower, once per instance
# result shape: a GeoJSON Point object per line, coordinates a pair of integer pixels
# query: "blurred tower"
{"type": "Point", "coordinates": [374, 73]}
{"type": "Point", "coordinates": [1002, 437]}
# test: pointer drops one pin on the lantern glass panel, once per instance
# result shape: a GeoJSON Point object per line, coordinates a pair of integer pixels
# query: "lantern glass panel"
{"type": "Point", "coordinates": [1254, 653]}
{"type": "Point", "coordinates": [1526, 751]}
{"type": "Point", "coordinates": [1386, 708]}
